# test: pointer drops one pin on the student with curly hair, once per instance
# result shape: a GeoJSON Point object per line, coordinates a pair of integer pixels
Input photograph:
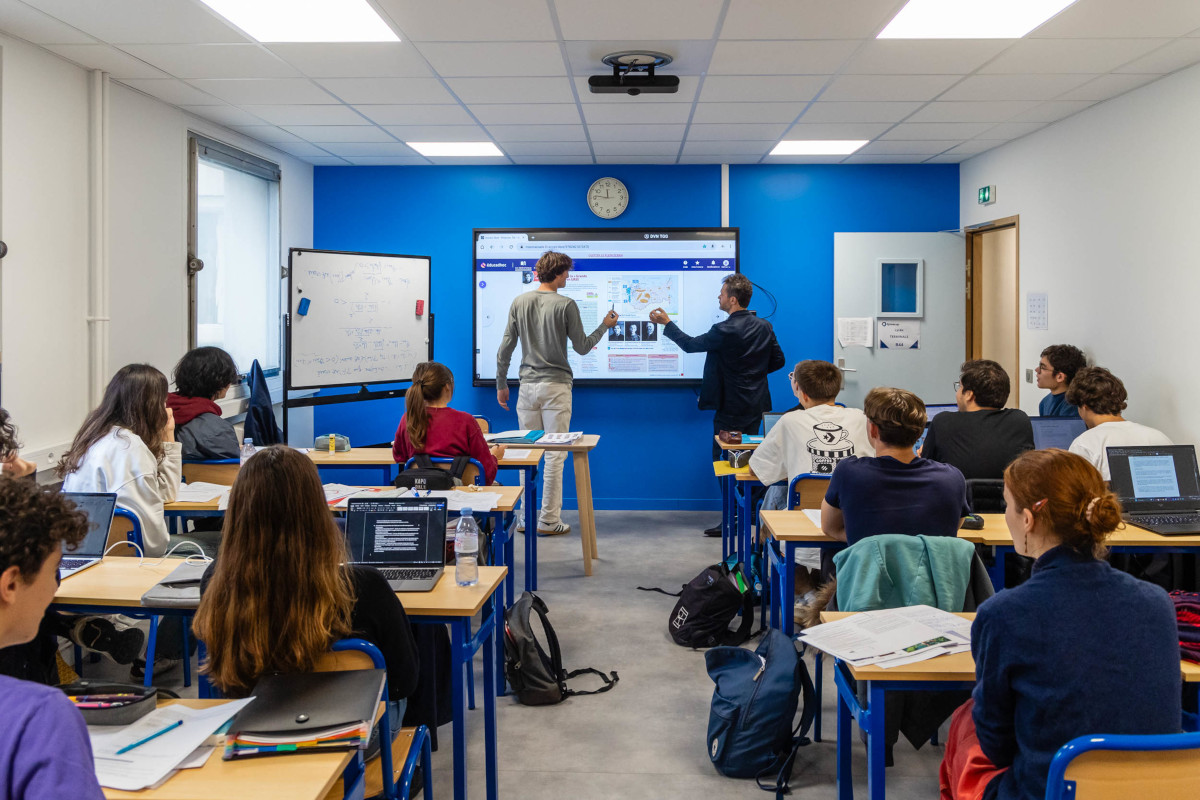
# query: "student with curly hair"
{"type": "Point", "coordinates": [202, 377]}
{"type": "Point", "coordinates": [1101, 397]}
{"type": "Point", "coordinates": [44, 743]}
{"type": "Point", "coordinates": [1056, 656]}
{"type": "Point", "coordinates": [11, 463]}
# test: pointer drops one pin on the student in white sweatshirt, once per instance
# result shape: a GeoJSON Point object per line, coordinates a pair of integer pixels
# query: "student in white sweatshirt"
{"type": "Point", "coordinates": [1100, 397]}
{"type": "Point", "coordinates": [127, 446]}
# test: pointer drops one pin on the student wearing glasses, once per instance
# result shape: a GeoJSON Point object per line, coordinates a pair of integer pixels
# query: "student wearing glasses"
{"type": "Point", "coordinates": [1055, 371]}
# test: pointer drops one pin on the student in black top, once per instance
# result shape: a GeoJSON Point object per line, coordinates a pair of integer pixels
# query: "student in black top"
{"type": "Point", "coordinates": [982, 437]}
{"type": "Point", "coordinates": [280, 594]}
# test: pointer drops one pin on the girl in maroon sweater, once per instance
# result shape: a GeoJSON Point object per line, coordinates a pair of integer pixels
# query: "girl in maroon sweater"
{"type": "Point", "coordinates": [430, 426]}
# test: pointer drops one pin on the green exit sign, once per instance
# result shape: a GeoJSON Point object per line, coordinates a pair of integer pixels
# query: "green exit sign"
{"type": "Point", "coordinates": [987, 195]}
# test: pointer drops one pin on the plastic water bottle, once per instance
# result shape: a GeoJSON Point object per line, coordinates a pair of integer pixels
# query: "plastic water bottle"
{"type": "Point", "coordinates": [466, 550]}
{"type": "Point", "coordinates": [247, 449]}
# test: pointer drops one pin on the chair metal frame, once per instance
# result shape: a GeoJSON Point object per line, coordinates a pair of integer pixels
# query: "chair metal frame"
{"type": "Point", "coordinates": [1060, 787]}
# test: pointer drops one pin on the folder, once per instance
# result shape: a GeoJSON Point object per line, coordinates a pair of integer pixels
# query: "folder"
{"type": "Point", "coordinates": [514, 437]}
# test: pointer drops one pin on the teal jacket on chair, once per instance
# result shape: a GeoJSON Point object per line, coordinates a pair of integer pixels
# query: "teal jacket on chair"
{"type": "Point", "coordinates": [894, 570]}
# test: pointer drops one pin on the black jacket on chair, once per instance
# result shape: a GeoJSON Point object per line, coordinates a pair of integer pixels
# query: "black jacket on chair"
{"type": "Point", "coordinates": [742, 351]}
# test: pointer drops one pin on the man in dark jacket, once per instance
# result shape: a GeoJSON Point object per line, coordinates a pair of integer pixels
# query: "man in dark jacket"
{"type": "Point", "coordinates": [742, 351]}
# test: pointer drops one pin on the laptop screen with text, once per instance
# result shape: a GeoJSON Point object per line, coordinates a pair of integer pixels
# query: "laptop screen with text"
{"type": "Point", "coordinates": [396, 531]}
{"type": "Point", "coordinates": [1155, 478]}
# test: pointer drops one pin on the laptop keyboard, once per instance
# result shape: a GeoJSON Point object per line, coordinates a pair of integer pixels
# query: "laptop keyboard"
{"type": "Point", "coordinates": [75, 563]}
{"type": "Point", "coordinates": [1169, 519]}
{"type": "Point", "coordinates": [409, 573]}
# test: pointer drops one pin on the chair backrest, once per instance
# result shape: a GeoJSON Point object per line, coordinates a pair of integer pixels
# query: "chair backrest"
{"type": "Point", "coordinates": [485, 424]}
{"type": "Point", "coordinates": [1110, 767]}
{"type": "Point", "coordinates": [986, 495]}
{"type": "Point", "coordinates": [807, 491]}
{"type": "Point", "coordinates": [472, 474]}
{"type": "Point", "coordinates": [222, 472]}
{"type": "Point", "coordinates": [124, 528]}
{"type": "Point", "coordinates": [350, 654]}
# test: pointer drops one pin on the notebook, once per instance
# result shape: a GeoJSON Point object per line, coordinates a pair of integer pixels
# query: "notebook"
{"type": "Point", "coordinates": [99, 508]}
{"type": "Point", "coordinates": [402, 537]}
{"type": "Point", "coordinates": [513, 437]}
{"type": "Point", "coordinates": [1158, 486]}
{"type": "Point", "coordinates": [1056, 431]}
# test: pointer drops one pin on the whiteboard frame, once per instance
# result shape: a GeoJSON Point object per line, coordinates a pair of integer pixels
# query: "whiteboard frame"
{"type": "Point", "coordinates": [287, 316]}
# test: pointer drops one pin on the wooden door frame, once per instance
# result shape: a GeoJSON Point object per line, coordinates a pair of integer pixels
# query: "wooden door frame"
{"type": "Point", "coordinates": [973, 298]}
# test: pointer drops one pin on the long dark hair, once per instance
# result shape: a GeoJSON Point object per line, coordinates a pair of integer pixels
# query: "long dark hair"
{"type": "Point", "coordinates": [279, 595]}
{"type": "Point", "coordinates": [136, 398]}
{"type": "Point", "coordinates": [8, 436]}
{"type": "Point", "coordinates": [429, 380]}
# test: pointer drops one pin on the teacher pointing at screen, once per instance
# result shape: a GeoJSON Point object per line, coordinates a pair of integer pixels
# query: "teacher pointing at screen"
{"type": "Point", "coordinates": [742, 351]}
{"type": "Point", "coordinates": [543, 320]}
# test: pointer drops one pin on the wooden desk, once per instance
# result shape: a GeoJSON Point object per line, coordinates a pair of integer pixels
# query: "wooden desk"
{"type": "Point", "coordinates": [293, 777]}
{"type": "Point", "coordinates": [114, 583]}
{"type": "Point", "coordinates": [742, 446]}
{"type": "Point", "coordinates": [509, 495]}
{"type": "Point", "coordinates": [579, 450]}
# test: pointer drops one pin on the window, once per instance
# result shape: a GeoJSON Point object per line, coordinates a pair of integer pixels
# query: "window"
{"type": "Point", "coordinates": [233, 254]}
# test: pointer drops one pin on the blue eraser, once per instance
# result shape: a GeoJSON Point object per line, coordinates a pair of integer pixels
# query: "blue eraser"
{"type": "Point", "coordinates": [302, 309]}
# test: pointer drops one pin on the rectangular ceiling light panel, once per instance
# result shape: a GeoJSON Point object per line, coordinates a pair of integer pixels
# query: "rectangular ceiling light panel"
{"type": "Point", "coordinates": [817, 147]}
{"type": "Point", "coordinates": [456, 148]}
{"type": "Point", "coordinates": [305, 20]}
{"type": "Point", "coordinates": [970, 19]}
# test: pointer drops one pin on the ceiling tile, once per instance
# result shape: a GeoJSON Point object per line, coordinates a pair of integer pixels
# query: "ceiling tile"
{"type": "Point", "coordinates": [1011, 130]}
{"type": "Point", "coordinates": [924, 56]}
{"type": "Point", "coordinates": [976, 146]}
{"type": "Point", "coordinates": [471, 20]}
{"type": "Point", "coordinates": [327, 161]}
{"type": "Point", "coordinates": [32, 25]}
{"type": "Point", "coordinates": [416, 114]}
{"type": "Point", "coordinates": [882, 111]}
{"type": "Point", "coordinates": [688, 56]}
{"type": "Point", "coordinates": [609, 114]}
{"type": "Point", "coordinates": [757, 149]}
{"type": "Point", "coordinates": [747, 112]}
{"type": "Point", "coordinates": [636, 148]}
{"type": "Point", "coordinates": [1069, 55]}
{"type": "Point", "coordinates": [438, 133]}
{"type": "Point", "coordinates": [1014, 87]}
{"type": "Point", "coordinates": [729, 131]}
{"type": "Point", "coordinates": [371, 149]}
{"type": "Point", "coordinates": [497, 59]}
{"type": "Point", "coordinates": [307, 115]}
{"type": "Point", "coordinates": [896, 148]}
{"type": "Point", "coordinates": [893, 159]}
{"type": "Point", "coordinates": [637, 133]}
{"type": "Point", "coordinates": [637, 19]}
{"type": "Point", "coordinates": [635, 159]}
{"type": "Point", "coordinates": [771, 88]}
{"type": "Point", "coordinates": [267, 133]}
{"type": "Point", "coordinates": [1175, 55]}
{"type": "Point", "coordinates": [836, 130]}
{"type": "Point", "coordinates": [688, 84]}
{"type": "Point", "coordinates": [354, 60]}
{"type": "Point", "coordinates": [821, 57]}
{"type": "Point", "coordinates": [888, 87]}
{"type": "Point", "coordinates": [533, 159]}
{"type": "Point", "coordinates": [266, 91]}
{"type": "Point", "coordinates": [213, 60]}
{"type": "Point", "coordinates": [1052, 111]}
{"type": "Point", "coordinates": [522, 113]}
{"type": "Point", "coordinates": [537, 133]}
{"type": "Point", "coordinates": [968, 111]}
{"type": "Point", "coordinates": [109, 59]}
{"type": "Point", "coordinates": [510, 90]}
{"type": "Point", "coordinates": [948, 158]}
{"type": "Point", "coordinates": [1110, 19]}
{"type": "Point", "coordinates": [229, 115]}
{"type": "Point", "coordinates": [915, 131]}
{"type": "Point", "coordinates": [1106, 86]}
{"type": "Point", "coordinates": [143, 21]}
{"type": "Point", "coordinates": [177, 93]}
{"type": "Point", "coordinates": [387, 90]}
{"type": "Point", "coordinates": [548, 149]}
{"type": "Point", "coordinates": [389, 161]}
{"type": "Point", "coordinates": [806, 19]}
{"type": "Point", "coordinates": [300, 149]}
{"type": "Point", "coordinates": [339, 133]}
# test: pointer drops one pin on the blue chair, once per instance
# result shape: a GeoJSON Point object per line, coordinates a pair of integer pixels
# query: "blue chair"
{"type": "Point", "coordinates": [219, 470]}
{"type": "Point", "coordinates": [485, 424]}
{"type": "Point", "coordinates": [1106, 767]}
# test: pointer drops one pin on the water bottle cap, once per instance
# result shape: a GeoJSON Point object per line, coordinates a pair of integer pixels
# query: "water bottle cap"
{"type": "Point", "coordinates": [247, 440]}
{"type": "Point", "coordinates": [466, 512]}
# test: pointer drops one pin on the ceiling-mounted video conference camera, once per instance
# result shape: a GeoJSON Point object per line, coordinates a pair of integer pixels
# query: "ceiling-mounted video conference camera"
{"type": "Point", "coordinates": [633, 74]}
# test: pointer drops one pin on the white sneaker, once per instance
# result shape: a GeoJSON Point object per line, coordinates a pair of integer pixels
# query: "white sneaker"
{"type": "Point", "coordinates": [557, 529]}
{"type": "Point", "coordinates": [520, 526]}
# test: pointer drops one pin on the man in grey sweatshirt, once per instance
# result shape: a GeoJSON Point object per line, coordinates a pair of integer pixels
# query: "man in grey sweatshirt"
{"type": "Point", "coordinates": [543, 320]}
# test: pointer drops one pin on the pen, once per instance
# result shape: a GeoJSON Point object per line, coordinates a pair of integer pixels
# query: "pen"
{"type": "Point", "coordinates": [154, 735]}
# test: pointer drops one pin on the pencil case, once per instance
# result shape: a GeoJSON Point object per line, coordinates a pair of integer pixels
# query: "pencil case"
{"type": "Point", "coordinates": [103, 703]}
{"type": "Point", "coordinates": [340, 443]}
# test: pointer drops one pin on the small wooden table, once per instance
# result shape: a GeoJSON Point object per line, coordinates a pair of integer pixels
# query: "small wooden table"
{"type": "Point", "coordinates": [579, 450]}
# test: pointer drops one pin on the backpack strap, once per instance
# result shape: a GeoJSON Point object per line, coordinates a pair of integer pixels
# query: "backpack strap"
{"type": "Point", "coordinates": [808, 699]}
{"type": "Point", "coordinates": [423, 460]}
{"type": "Point", "coordinates": [660, 591]}
{"type": "Point", "coordinates": [608, 682]}
{"type": "Point", "coordinates": [734, 638]}
{"type": "Point", "coordinates": [459, 467]}
{"type": "Point", "coordinates": [538, 606]}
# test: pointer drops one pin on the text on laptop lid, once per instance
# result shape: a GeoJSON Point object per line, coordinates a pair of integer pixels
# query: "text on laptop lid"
{"type": "Point", "coordinates": [1055, 431]}
{"type": "Point", "coordinates": [1155, 477]}
{"type": "Point", "coordinates": [399, 530]}
{"type": "Point", "coordinates": [99, 509]}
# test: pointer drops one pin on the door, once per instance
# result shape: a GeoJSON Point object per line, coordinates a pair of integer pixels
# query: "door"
{"type": "Point", "coordinates": [930, 369]}
{"type": "Point", "coordinates": [993, 312]}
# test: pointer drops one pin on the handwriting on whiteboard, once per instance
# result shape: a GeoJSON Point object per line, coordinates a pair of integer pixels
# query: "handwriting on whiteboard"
{"type": "Point", "coordinates": [372, 273]}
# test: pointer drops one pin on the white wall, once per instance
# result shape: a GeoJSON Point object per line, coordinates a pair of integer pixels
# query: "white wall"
{"type": "Point", "coordinates": [44, 214]}
{"type": "Point", "coordinates": [1108, 214]}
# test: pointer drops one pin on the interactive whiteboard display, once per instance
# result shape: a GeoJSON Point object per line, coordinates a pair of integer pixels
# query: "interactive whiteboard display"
{"type": "Point", "coordinates": [356, 318]}
{"type": "Point", "coordinates": [631, 270]}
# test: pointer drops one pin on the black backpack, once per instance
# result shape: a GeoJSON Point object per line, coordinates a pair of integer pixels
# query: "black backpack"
{"type": "Point", "coordinates": [537, 678]}
{"type": "Point", "coordinates": [425, 475]}
{"type": "Point", "coordinates": [707, 604]}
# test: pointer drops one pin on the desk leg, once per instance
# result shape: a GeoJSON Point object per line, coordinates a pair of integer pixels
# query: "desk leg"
{"type": "Point", "coordinates": [787, 597]}
{"type": "Point", "coordinates": [490, 681]}
{"type": "Point", "coordinates": [531, 515]}
{"type": "Point", "coordinates": [845, 780]}
{"type": "Point", "coordinates": [876, 742]}
{"type": "Point", "coordinates": [997, 571]}
{"type": "Point", "coordinates": [151, 642]}
{"type": "Point", "coordinates": [583, 497]}
{"type": "Point", "coordinates": [726, 517]}
{"type": "Point", "coordinates": [460, 653]}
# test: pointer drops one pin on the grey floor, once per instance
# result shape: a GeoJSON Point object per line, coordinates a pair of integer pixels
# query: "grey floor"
{"type": "Point", "coordinates": [645, 738]}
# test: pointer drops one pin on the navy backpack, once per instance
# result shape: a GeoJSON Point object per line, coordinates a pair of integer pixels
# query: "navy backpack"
{"type": "Point", "coordinates": [750, 733]}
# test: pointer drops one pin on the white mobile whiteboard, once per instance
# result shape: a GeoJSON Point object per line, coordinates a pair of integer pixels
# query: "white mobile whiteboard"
{"type": "Point", "coordinates": [356, 318]}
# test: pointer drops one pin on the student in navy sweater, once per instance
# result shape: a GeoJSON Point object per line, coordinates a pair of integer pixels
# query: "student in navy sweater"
{"type": "Point", "coordinates": [1079, 648]}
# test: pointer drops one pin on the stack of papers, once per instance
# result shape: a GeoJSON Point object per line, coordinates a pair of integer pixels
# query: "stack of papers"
{"type": "Point", "coordinates": [199, 492]}
{"type": "Point", "coordinates": [457, 499]}
{"type": "Point", "coordinates": [373, 492]}
{"type": "Point", "coordinates": [559, 438]}
{"type": "Point", "coordinates": [338, 491]}
{"type": "Point", "coordinates": [892, 637]}
{"type": "Point", "coordinates": [516, 454]}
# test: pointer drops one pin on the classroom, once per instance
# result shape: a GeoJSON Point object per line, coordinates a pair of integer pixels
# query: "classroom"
{"type": "Point", "coordinates": [919, 202]}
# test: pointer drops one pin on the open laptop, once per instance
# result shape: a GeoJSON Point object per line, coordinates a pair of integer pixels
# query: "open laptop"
{"type": "Point", "coordinates": [769, 421]}
{"type": "Point", "coordinates": [402, 537]}
{"type": "Point", "coordinates": [1158, 486]}
{"type": "Point", "coordinates": [99, 510]}
{"type": "Point", "coordinates": [930, 413]}
{"type": "Point", "coordinates": [1055, 431]}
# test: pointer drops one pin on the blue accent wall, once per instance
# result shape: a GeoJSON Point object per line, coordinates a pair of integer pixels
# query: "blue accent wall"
{"type": "Point", "coordinates": [655, 445]}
